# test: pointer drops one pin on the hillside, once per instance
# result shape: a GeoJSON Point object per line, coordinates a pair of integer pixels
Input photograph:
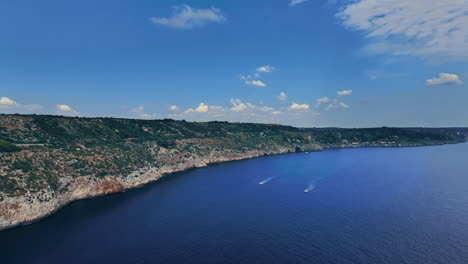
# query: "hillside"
{"type": "Point", "coordinates": [49, 161]}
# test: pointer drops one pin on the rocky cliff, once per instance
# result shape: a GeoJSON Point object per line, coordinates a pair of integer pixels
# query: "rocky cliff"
{"type": "Point", "coordinates": [47, 162]}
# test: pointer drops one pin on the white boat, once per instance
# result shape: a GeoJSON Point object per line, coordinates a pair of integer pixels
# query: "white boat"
{"type": "Point", "coordinates": [309, 188]}
{"type": "Point", "coordinates": [265, 181]}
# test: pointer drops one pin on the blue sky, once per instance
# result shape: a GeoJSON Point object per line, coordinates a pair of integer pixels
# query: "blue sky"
{"type": "Point", "coordinates": [305, 63]}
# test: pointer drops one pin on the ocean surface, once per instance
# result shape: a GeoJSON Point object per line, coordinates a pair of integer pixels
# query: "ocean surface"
{"type": "Point", "coordinates": [370, 205]}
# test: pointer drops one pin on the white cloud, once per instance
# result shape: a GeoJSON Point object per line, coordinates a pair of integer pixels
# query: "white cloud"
{"type": "Point", "coordinates": [429, 29]}
{"type": "Point", "coordinates": [295, 106]}
{"type": "Point", "coordinates": [344, 92]}
{"type": "Point", "coordinates": [173, 108]}
{"type": "Point", "coordinates": [237, 110]}
{"type": "Point", "coordinates": [6, 103]}
{"type": "Point", "coordinates": [203, 111]}
{"type": "Point", "coordinates": [266, 69]}
{"type": "Point", "coordinates": [254, 79]}
{"type": "Point", "coordinates": [66, 108]}
{"type": "Point", "coordinates": [186, 17]}
{"type": "Point", "coordinates": [255, 83]}
{"type": "Point", "coordinates": [330, 106]}
{"type": "Point", "coordinates": [343, 105]}
{"type": "Point", "coordinates": [237, 105]}
{"type": "Point", "coordinates": [282, 96]}
{"type": "Point", "coordinates": [445, 78]}
{"type": "Point", "coordinates": [250, 77]}
{"type": "Point", "coordinates": [322, 100]}
{"type": "Point", "coordinates": [202, 108]}
{"type": "Point", "coordinates": [216, 108]}
{"type": "Point", "coordinates": [335, 104]}
{"type": "Point", "coordinates": [296, 2]}
{"type": "Point", "coordinates": [139, 109]}
{"type": "Point", "coordinates": [265, 108]}
{"type": "Point", "coordinates": [141, 113]}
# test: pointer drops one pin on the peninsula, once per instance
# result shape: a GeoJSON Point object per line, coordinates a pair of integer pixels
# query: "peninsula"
{"type": "Point", "coordinates": [47, 162]}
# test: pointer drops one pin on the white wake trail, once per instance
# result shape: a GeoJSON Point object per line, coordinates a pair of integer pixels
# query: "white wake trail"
{"type": "Point", "coordinates": [265, 181]}
{"type": "Point", "coordinates": [309, 188]}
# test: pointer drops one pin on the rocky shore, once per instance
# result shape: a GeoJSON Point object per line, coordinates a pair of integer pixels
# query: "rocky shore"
{"type": "Point", "coordinates": [47, 162]}
{"type": "Point", "coordinates": [31, 207]}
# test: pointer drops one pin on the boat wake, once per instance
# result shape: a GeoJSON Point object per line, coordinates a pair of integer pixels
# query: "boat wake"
{"type": "Point", "coordinates": [265, 181]}
{"type": "Point", "coordinates": [309, 188]}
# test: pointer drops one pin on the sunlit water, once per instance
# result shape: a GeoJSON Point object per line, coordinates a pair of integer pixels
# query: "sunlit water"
{"type": "Point", "coordinates": [393, 205]}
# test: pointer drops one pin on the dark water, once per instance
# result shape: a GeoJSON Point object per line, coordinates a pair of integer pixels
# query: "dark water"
{"type": "Point", "coordinates": [407, 205]}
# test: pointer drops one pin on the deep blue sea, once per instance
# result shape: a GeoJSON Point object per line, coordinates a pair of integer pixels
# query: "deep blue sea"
{"type": "Point", "coordinates": [369, 205]}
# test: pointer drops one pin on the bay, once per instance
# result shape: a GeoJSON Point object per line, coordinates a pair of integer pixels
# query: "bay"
{"type": "Point", "coordinates": [363, 205]}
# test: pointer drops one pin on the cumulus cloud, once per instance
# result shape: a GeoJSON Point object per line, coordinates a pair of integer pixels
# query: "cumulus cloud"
{"type": "Point", "coordinates": [173, 108]}
{"type": "Point", "coordinates": [445, 79]}
{"type": "Point", "coordinates": [250, 76]}
{"type": "Point", "coordinates": [322, 100]}
{"type": "Point", "coordinates": [141, 113]}
{"type": "Point", "coordinates": [343, 105]}
{"type": "Point", "coordinates": [344, 92]}
{"type": "Point", "coordinates": [186, 17]}
{"type": "Point", "coordinates": [282, 96]}
{"type": "Point", "coordinates": [203, 111]}
{"type": "Point", "coordinates": [237, 105]}
{"type": "Point", "coordinates": [335, 104]}
{"type": "Point", "coordinates": [66, 108]}
{"type": "Point", "coordinates": [237, 110]}
{"type": "Point", "coordinates": [295, 106]}
{"type": "Point", "coordinates": [202, 108]}
{"type": "Point", "coordinates": [296, 2]}
{"type": "Point", "coordinates": [255, 83]}
{"type": "Point", "coordinates": [265, 69]}
{"type": "Point", "coordinates": [255, 78]}
{"type": "Point", "coordinates": [7, 103]}
{"type": "Point", "coordinates": [428, 29]}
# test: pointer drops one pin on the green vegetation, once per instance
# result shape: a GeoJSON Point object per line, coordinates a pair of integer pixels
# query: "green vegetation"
{"type": "Point", "coordinates": [22, 165]}
{"type": "Point", "coordinates": [67, 132]}
{"type": "Point", "coordinates": [384, 135]}
{"type": "Point", "coordinates": [8, 147]}
{"type": "Point", "coordinates": [101, 174]}
{"type": "Point", "coordinates": [8, 185]}
{"type": "Point", "coordinates": [63, 148]}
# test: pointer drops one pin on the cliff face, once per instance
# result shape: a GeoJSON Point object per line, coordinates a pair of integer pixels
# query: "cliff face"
{"type": "Point", "coordinates": [31, 206]}
{"type": "Point", "coordinates": [47, 162]}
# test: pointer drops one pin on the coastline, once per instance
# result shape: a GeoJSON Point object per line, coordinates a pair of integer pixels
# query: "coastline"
{"type": "Point", "coordinates": [111, 185]}
{"type": "Point", "coordinates": [153, 176]}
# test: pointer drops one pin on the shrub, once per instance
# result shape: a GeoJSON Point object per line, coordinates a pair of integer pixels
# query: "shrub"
{"type": "Point", "coordinates": [8, 147]}
{"type": "Point", "coordinates": [22, 165]}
